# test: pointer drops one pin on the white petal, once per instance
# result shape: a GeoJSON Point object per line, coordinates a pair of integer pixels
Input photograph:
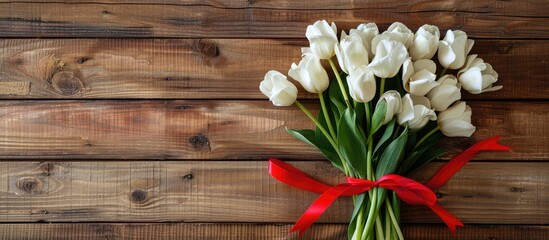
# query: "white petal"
{"type": "Point", "coordinates": [407, 112]}
{"type": "Point", "coordinates": [446, 54]}
{"type": "Point", "coordinates": [427, 64]}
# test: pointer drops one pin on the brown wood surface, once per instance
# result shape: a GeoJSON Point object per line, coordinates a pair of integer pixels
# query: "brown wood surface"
{"type": "Point", "coordinates": [242, 191]}
{"type": "Point", "coordinates": [192, 231]}
{"type": "Point", "coordinates": [187, 129]}
{"type": "Point", "coordinates": [178, 80]}
{"type": "Point", "coordinates": [264, 19]}
{"type": "Point", "coordinates": [207, 69]}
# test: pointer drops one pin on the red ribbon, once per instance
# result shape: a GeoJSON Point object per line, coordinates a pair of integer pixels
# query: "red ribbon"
{"type": "Point", "coordinates": [408, 190]}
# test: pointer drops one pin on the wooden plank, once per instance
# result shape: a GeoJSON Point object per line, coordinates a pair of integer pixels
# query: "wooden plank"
{"type": "Point", "coordinates": [242, 191]}
{"type": "Point", "coordinates": [195, 129]}
{"type": "Point", "coordinates": [217, 68]}
{"type": "Point", "coordinates": [259, 19]}
{"type": "Point", "coordinates": [191, 231]}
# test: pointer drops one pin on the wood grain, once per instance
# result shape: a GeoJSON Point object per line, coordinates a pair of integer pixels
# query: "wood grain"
{"type": "Point", "coordinates": [209, 69]}
{"type": "Point", "coordinates": [242, 191]}
{"type": "Point", "coordinates": [191, 231]}
{"type": "Point", "coordinates": [264, 19]}
{"type": "Point", "coordinates": [195, 129]}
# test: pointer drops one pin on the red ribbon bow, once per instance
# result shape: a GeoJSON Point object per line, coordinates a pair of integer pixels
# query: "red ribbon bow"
{"type": "Point", "coordinates": [408, 190]}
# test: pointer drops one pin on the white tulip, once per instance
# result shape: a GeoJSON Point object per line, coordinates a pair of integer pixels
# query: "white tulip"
{"type": "Point", "coordinates": [351, 52]}
{"type": "Point", "coordinates": [425, 64]}
{"type": "Point", "coordinates": [322, 38]}
{"type": "Point", "coordinates": [311, 74]}
{"type": "Point", "coordinates": [477, 76]}
{"type": "Point", "coordinates": [446, 93]}
{"type": "Point", "coordinates": [425, 43]}
{"type": "Point", "coordinates": [397, 32]}
{"type": "Point", "coordinates": [456, 121]}
{"type": "Point", "coordinates": [419, 78]}
{"type": "Point", "coordinates": [389, 57]}
{"type": "Point", "coordinates": [392, 98]}
{"type": "Point", "coordinates": [362, 84]}
{"type": "Point", "coordinates": [278, 89]}
{"type": "Point", "coordinates": [416, 111]}
{"type": "Point", "coordinates": [367, 32]}
{"type": "Point", "coordinates": [453, 49]}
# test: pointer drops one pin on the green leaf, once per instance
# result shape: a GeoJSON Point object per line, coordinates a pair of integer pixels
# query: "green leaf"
{"type": "Point", "coordinates": [396, 206]}
{"type": "Point", "coordinates": [412, 139]}
{"type": "Point", "coordinates": [359, 201]}
{"type": "Point", "coordinates": [352, 144]}
{"type": "Point", "coordinates": [336, 97]}
{"type": "Point", "coordinates": [305, 135]}
{"type": "Point", "coordinates": [379, 116]}
{"type": "Point", "coordinates": [429, 155]}
{"type": "Point", "coordinates": [309, 136]}
{"type": "Point", "coordinates": [386, 135]}
{"type": "Point", "coordinates": [392, 155]}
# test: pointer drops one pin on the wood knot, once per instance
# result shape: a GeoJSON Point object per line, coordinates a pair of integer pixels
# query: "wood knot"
{"type": "Point", "coordinates": [188, 177]}
{"type": "Point", "coordinates": [138, 196]}
{"type": "Point", "coordinates": [206, 48]}
{"type": "Point", "coordinates": [517, 189]}
{"type": "Point", "coordinates": [66, 83]}
{"type": "Point", "coordinates": [200, 142]}
{"type": "Point", "coordinates": [30, 185]}
{"type": "Point", "coordinates": [82, 60]}
{"type": "Point", "coordinates": [47, 168]}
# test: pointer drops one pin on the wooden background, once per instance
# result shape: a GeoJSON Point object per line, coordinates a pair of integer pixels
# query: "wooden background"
{"type": "Point", "coordinates": [143, 119]}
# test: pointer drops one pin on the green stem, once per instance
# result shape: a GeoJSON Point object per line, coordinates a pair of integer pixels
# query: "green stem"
{"type": "Point", "coordinates": [393, 220]}
{"type": "Point", "coordinates": [434, 130]}
{"type": "Point", "coordinates": [359, 224]}
{"type": "Point", "coordinates": [372, 193]}
{"type": "Point", "coordinates": [382, 86]}
{"type": "Point", "coordinates": [327, 135]}
{"type": "Point", "coordinates": [340, 82]}
{"type": "Point", "coordinates": [371, 215]}
{"type": "Point", "coordinates": [388, 225]}
{"type": "Point", "coordinates": [379, 228]}
{"type": "Point", "coordinates": [327, 117]}
{"type": "Point", "coordinates": [368, 116]}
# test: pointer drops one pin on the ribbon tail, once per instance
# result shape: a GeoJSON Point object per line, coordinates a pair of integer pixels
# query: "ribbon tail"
{"type": "Point", "coordinates": [454, 165]}
{"type": "Point", "coordinates": [292, 176]}
{"type": "Point", "coordinates": [450, 220]}
{"type": "Point", "coordinates": [318, 207]}
{"type": "Point", "coordinates": [491, 144]}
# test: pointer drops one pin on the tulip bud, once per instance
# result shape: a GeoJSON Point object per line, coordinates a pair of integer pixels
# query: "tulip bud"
{"type": "Point", "coordinates": [322, 38]}
{"type": "Point", "coordinates": [456, 121]}
{"type": "Point", "coordinates": [416, 111]}
{"type": "Point", "coordinates": [389, 57]}
{"type": "Point", "coordinates": [425, 43]}
{"type": "Point", "coordinates": [278, 89]}
{"type": "Point", "coordinates": [362, 84]}
{"type": "Point", "coordinates": [351, 52]}
{"type": "Point", "coordinates": [477, 76]}
{"type": "Point", "coordinates": [397, 32]}
{"type": "Point", "coordinates": [419, 78]}
{"type": "Point", "coordinates": [453, 49]}
{"type": "Point", "coordinates": [393, 103]}
{"type": "Point", "coordinates": [446, 93]}
{"type": "Point", "coordinates": [367, 32]}
{"type": "Point", "coordinates": [311, 74]}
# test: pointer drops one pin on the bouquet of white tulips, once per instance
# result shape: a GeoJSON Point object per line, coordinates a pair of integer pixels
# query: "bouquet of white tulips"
{"type": "Point", "coordinates": [386, 109]}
